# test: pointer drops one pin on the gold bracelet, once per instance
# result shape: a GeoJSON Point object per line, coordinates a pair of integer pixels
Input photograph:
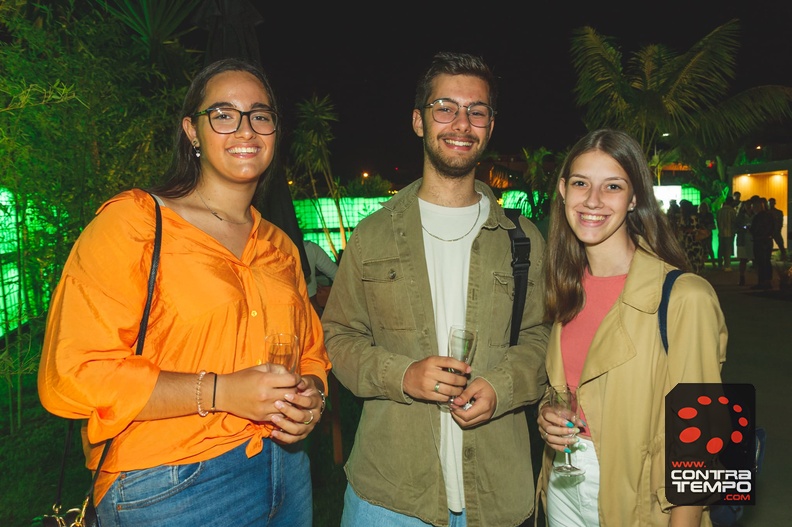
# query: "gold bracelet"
{"type": "Point", "coordinates": [201, 411]}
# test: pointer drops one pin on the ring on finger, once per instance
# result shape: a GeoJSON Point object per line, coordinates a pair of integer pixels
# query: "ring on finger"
{"type": "Point", "coordinates": [437, 387]}
{"type": "Point", "coordinates": [309, 421]}
{"type": "Point", "coordinates": [545, 435]}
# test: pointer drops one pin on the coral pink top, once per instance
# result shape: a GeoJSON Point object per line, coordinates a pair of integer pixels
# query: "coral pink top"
{"type": "Point", "coordinates": [577, 335]}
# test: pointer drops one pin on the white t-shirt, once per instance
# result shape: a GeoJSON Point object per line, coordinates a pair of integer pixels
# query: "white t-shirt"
{"type": "Point", "coordinates": [448, 263]}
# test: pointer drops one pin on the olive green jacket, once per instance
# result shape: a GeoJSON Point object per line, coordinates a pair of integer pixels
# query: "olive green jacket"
{"type": "Point", "coordinates": [379, 319]}
{"type": "Point", "coordinates": [625, 378]}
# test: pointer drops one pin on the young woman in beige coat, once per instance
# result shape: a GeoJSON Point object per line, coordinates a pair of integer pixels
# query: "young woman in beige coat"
{"type": "Point", "coordinates": [609, 249]}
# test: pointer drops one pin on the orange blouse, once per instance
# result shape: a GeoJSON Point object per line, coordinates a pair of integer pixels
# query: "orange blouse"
{"type": "Point", "coordinates": [210, 311]}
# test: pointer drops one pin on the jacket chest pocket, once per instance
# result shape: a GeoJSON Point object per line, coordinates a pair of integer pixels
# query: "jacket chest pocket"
{"type": "Point", "coordinates": [500, 314]}
{"type": "Point", "coordinates": [387, 295]}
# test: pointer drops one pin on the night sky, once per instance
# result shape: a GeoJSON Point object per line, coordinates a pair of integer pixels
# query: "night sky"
{"type": "Point", "coordinates": [368, 61]}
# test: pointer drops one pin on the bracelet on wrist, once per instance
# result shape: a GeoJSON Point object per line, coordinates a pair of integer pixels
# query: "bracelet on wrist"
{"type": "Point", "coordinates": [213, 409]}
{"type": "Point", "coordinates": [198, 384]}
{"type": "Point", "coordinates": [324, 401]}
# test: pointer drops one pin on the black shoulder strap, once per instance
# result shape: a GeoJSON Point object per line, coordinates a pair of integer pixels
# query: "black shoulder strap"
{"type": "Point", "coordinates": [152, 279]}
{"type": "Point", "coordinates": [662, 312]}
{"type": "Point", "coordinates": [521, 263]}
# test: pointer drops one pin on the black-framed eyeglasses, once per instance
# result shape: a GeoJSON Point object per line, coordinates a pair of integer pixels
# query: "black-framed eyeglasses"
{"type": "Point", "coordinates": [445, 111]}
{"type": "Point", "coordinates": [228, 120]}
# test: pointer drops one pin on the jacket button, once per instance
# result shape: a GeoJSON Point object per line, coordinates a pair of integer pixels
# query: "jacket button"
{"type": "Point", "coordinates": [392, 274]}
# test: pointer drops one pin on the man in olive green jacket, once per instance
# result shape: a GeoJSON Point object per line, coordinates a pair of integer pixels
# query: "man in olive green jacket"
{"type": "Point", "coordinates": [409, 271]}
{"type": "Point", "coordinates": [379, 320]}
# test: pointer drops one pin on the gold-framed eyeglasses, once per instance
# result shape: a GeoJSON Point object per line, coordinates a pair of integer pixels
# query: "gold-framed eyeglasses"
{"type": "Point", "coordinates": [228, 120]}
{"type": "Point", "coordinates": [445, 111]}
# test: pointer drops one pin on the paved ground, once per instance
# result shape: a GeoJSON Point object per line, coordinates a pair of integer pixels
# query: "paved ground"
{"type": "Point", "coordinates": [760, 353]}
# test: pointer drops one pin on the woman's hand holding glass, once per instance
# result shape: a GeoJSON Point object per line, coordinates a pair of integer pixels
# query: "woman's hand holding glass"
{"type": "Point", "coordinates": [301, 411]}
{"type": "Point", "coordinates": [299, 408]}
{"type": "Point", "coordinates": [252, 393]}
{"type": "Point", "coordinates": [559, 423]}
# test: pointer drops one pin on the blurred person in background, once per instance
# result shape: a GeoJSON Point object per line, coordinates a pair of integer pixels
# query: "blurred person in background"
{"type": "Point", "coordinates": [726, 219]}
{"type": "Point", "coordinates": [319, 263]}
{"type": "Point", "coordinates": [762, 229]}
{"type": "Point", "coordinates": [744, 242]}
{"type": "Point", "coordinates": [707, 222]}
{"type": "Point", "coordinates": [778, 225]}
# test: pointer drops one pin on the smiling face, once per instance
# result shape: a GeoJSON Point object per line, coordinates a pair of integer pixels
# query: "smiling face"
{"type": "Point", "coordinates": [241, 156]}
{"type": "Point", "coordinates": [598, 196]}
{"type": "Point", "coordinates": [453, 149]}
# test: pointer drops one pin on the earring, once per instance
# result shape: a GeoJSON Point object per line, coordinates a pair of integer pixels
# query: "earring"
{"type": "Point", "coordinates": [563, 201]}
{"type": "Point", "coordinates": [196, 149]}
{"type": "Point", "coordinates": [631, 209]}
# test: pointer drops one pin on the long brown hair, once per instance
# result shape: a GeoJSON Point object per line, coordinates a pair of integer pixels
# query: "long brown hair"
{"type": "Point", "coordinates": [566, 258]}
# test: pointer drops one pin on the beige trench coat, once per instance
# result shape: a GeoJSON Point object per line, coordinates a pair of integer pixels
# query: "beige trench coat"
{"type": "Point", "coordinates": [624, 381]}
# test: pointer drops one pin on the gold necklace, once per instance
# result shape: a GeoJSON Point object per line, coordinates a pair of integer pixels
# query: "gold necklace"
{"type": "Point", "coordinates": [215, 214]}
{"type": "Point", "coordinates": [478, 215]}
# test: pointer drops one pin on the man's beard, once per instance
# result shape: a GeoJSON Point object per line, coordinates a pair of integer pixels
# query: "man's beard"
{"type": "Point", "coordinates": [455, 168]}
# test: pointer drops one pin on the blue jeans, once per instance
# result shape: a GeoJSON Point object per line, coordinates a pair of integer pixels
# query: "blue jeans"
{"type": "Point", "coordinates": [360, 513]}
{"type": "Point", "coordinates": [270, 489]}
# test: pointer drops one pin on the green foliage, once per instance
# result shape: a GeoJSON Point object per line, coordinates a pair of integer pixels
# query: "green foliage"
{"type": "Point", "coordinates": [539, 182]}
{"type": "Point", "coordinates": [310, 150]}
{"type": "Point", "coordinates": [30, 95]}
{"type": "Point", "coordinates": [76, 154]}
{"type": "Point", "coordinates": [81, 120]}
{"type": "Point", "coordinates": [369, 187]}
{"type": "Point", "coordinates": [657, 91]}
{"type": "Point", "coordinates": [310, 146]}
{"type": "Point", "coordinates": [156, 29]}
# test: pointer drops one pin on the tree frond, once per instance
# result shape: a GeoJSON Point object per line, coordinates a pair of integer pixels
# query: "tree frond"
{"type": "Point", "coordinates": [600, 87]}
{"type": "Point", "coordinates": [703, 74]}
{"type": "Point", "coordinates": [745, 113]}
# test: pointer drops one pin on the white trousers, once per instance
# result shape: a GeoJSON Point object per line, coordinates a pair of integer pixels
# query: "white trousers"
{"type": "Point", "coordinates": [572, 500]}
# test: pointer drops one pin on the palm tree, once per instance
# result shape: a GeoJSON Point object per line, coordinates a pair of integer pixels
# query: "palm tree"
{"type": "Point", "coordinates": [684, 95]}
{"type": "Point", "coordinates": [311, 153]}
{"type": "Point", "coordinates": [540, 183]}
{"type": "Point", "coordinates": [158, 27]}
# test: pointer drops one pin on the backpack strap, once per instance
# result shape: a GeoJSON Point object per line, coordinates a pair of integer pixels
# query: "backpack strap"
{"type": "Point", "coordinates": [521, 263]}
{"type": "Point", "coordinates": [662, 311]}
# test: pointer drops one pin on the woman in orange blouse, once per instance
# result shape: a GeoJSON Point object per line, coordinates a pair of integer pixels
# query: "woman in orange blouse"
{"type": "Point", "coordinates": [206, 430]}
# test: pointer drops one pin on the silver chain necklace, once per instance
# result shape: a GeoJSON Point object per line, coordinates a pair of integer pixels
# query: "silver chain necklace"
{"type": "Point", "coordinates": [215, 214]}
{"type": "Point", "coordinates": [478, 215]}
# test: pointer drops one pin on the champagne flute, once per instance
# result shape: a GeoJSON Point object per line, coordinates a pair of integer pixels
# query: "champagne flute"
{"type": "Point", "coordinates": [461, 346]}
{"type": "Point", "coordinates": [283, 349]}
{"type": "Point", "coordinates": [563, 400]}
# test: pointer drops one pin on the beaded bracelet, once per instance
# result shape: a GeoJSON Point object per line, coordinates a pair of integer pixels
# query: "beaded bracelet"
{"type": "Point", "coordinates": [201, 411]}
